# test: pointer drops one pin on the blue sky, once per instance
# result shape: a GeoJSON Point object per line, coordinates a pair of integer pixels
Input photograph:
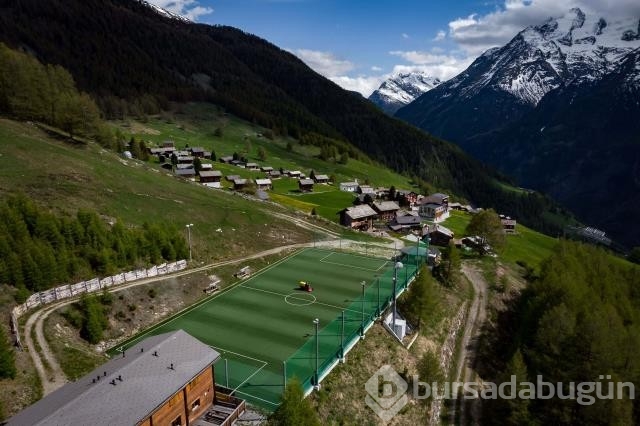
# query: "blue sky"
{"type": "Point", "coordinates": [359, 43]}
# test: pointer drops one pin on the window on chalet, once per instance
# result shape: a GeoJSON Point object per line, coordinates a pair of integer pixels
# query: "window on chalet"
{"type": "Point", "coordinates": [177, 421]}
{"type": "Point", "coordinates": [195, 404]}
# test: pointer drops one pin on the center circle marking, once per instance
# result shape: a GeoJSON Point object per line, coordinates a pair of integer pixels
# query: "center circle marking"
{"type": "Point", "coordinates": [297, 299]}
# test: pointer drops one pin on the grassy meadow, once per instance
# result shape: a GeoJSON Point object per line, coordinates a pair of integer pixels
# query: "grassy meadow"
{"type": "Point", "coordinates": [66, 177]}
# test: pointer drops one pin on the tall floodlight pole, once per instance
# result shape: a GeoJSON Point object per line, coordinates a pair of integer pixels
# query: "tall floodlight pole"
{"type": "Point", "coordinates": [316, 383]}
{"type": "Point", "coordinates": [363, 284]}
{"type": "Point", "coordinates": [418, 250]}
{"type": "Point", "coordinates": [428, 240]}
{"type": "Point", "coordinates": [378, 308]}
{"type": "Point", "coordinates": [189, 226]}
{"type": "Point", "coordinates": [397, 266]}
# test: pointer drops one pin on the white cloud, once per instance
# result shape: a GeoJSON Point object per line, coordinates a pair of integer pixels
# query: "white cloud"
{"type": "Point", "coordinates": [443, 66]}
{"type": "Point", "coordinates": [376, 68]}
{"type": "Point", "coordinates": [440, 36]}
{"type": "Point", "coordinates": [405, 36]}
{"type": "Point", "coordinates": [475, 34]}
{"type": "Point", "coordinates": [364, 84]}
{"type": "Point", "coordinates": [325, 63]}
{"type": "Point", "coordinates": [190, 9]}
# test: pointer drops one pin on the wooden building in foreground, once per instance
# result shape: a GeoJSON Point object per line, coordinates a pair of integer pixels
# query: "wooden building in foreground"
{"type": "Point", "coordinates": [165, 380]}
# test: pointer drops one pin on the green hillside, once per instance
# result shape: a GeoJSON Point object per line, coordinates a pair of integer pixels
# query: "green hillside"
{"type": "Point", "coordinates": [64, 178]}
{"type": "Point", "coordinates": [196, 124]}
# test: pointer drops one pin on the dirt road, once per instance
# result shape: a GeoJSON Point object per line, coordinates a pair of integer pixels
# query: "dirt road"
{"type": "Point", "coordinates": [467, 412]}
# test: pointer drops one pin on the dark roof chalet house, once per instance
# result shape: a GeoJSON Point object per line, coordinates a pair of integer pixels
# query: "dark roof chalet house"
{"type": "Point", "coordinates": [198, 151]}
{"type": "Point", "coordinates": [186, 173]}
{"type": "Point", "coordinates": [321, 178]}
{"type": "Point", "coordinates": [211, 178]}
{"type": "Point", "coordinates": [438, 234]}
{"type": "Point", "coordinates": [405, 222]}
{"type": "Point", "coordinates": [239, 183]}
{"type": "Point", "coordinates": [163, 379]}
{"type": "Point", "coordinates": [305, 185]}
{"type": "Point", "coordinates": [386, 210]}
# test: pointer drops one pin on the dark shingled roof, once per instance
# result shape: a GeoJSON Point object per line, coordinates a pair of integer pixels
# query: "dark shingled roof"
{"type": "Point", "coordinates": [147, 382]}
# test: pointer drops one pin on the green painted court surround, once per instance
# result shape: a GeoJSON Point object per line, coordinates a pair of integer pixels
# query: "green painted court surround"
{"type": "Point", "coordinates": [263, 321]}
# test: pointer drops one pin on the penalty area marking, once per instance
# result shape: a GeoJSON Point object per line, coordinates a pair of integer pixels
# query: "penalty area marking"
{"type": "Point", "coordinates": [296, 296]}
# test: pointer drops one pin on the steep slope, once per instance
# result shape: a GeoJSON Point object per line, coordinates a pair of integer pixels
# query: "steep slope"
{"type": "Point", "coordinates": [123, 49]}
{"type": "Point", "coordinates": [553, 108]}
{"type": "Point", "coordinates": [402, 89]}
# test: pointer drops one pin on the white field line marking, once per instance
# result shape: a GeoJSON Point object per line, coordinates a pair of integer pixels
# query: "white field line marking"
{"type": "Point", "coordinates": [206, 301]}
{"type": "Point", "coordinates": [322, 260]}
{"type": "Point", "coordinates": [382, 266]}
{"type": "Point", "coordinates": [225, 351]}
{"type": "Point", "coordinates": [351, 266]}
{"type": "Point", "coordinates": [252, 396]}
{"type": "Point", "coordinates": [284, 295]}
{"type": "Point", "coordinates": [249, 378]}
{"type": "Point", "coordinates": [357, 255]}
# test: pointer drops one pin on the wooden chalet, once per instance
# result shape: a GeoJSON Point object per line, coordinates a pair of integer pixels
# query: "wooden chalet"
{"type": "Point", "coordinates": [264, 184]}
{"type": "Point", "coordinates": [358, 217]}
{"type": "Point", "coordinates": [386, 210]}
{"type": "Point", "coordinates": [321, 179]}
{"type": "Point", "coordinates": [305, 185]}
{"type": "Point", "coordinates": [166, 379]}
{"type": "Point", "coordinates": [211, 178]}
{"type": "Point", "coordinates": [438, 235]}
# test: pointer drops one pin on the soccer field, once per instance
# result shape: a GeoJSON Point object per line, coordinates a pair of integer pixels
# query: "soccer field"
{"type": "Point", "coordinates": [263, 327]}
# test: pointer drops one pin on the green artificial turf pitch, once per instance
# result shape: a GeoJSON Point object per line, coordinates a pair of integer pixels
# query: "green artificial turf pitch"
{"type": "Point", "coordinates": [262, 321]}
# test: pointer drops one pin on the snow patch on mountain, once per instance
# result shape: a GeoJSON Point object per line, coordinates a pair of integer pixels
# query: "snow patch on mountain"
{"type": "Point", "coordinates": [164, 12]}
{"type": "Point", "coordinates": [402, 89]}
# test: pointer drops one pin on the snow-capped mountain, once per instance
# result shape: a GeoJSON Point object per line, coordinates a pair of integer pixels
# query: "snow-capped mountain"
{"type": "Point", "coordinates": [557, 108]}
{"type": "Point", "coordinates": [402, 89]}
{"type": "Point", "coordinates": [572, 49]}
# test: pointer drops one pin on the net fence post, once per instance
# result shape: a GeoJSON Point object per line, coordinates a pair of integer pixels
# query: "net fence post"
{"type": "Point", "coordinates": [342, 338]}
{"type": "Point", "coordinates": [226, 371]}
{"type": "Point", "coordinates": [378, 306]}
{"type": "Point", "coordinates": [284, 375]}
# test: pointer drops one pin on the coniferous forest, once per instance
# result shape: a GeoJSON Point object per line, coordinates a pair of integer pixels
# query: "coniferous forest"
{"type": "Point", "coordinates": [39, 249]}
{"type": "Point", "coordinates": [579, 321]}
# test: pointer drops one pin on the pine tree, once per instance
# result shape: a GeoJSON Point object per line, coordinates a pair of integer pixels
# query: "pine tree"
{"type": "Point", "coordinates": [7, 357]}
{"type": "Point", "coordinates": [294, 410]}
{"type": "Point", "coordinates": [262, 154]}
{"type": "Point", "coordinates": [94, 321]}
{"type": "Point", "coordinates": [422, 298]}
